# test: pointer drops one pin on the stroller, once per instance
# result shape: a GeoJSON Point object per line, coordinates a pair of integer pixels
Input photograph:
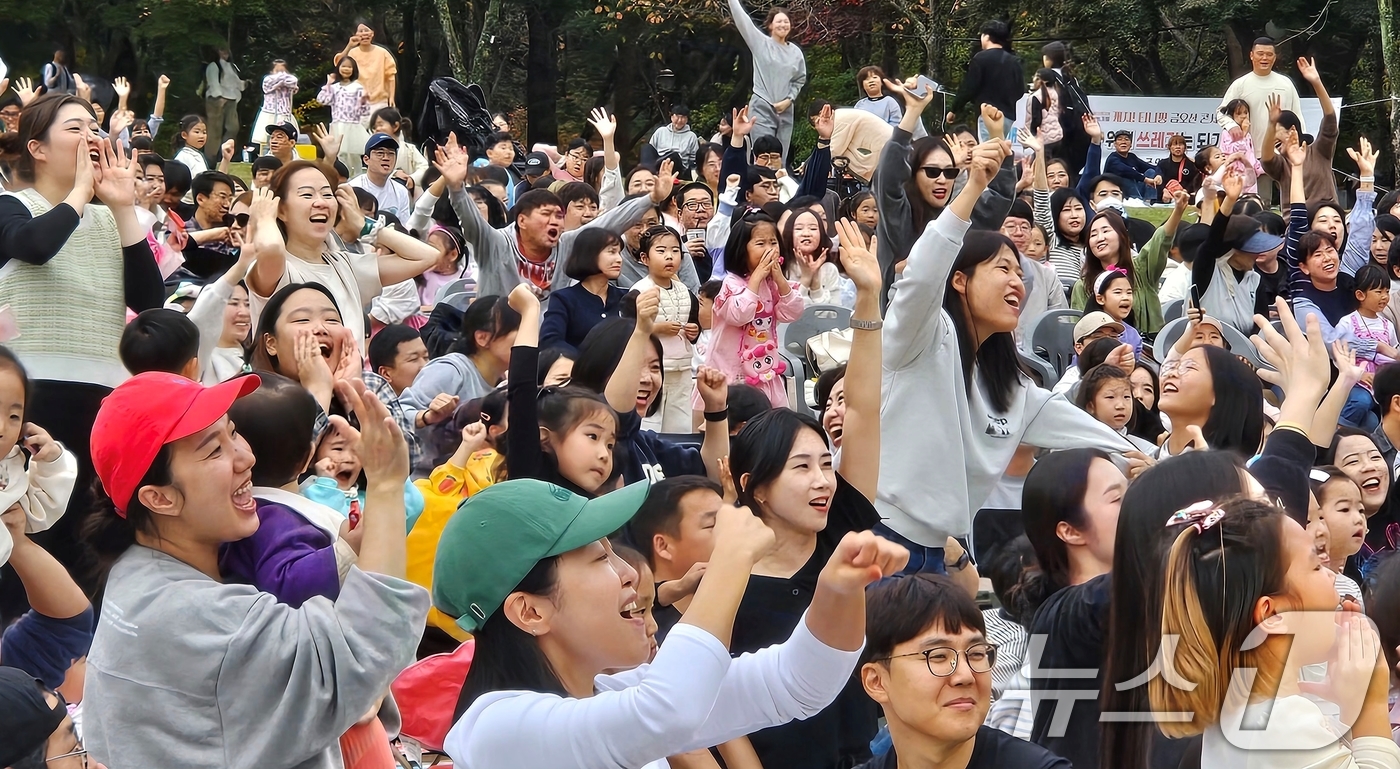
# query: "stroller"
{"type": "Point", "coordinates": [455, 108]}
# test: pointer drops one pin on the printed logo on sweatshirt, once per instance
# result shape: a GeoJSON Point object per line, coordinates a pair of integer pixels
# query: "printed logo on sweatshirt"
{"type": "Point", "coordinates": [997, 427]}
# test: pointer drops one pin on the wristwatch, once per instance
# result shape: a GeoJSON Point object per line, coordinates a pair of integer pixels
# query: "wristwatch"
{"type": "Point", "coordinates": [960, 564]}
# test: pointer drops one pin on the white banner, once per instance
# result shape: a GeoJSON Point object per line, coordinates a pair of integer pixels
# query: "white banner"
{"type": "Point", "coordinates": [1155, 119]}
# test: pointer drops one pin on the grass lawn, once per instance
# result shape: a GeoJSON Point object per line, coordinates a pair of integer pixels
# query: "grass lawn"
{"type": "Point", "coordinates": [243, 171]}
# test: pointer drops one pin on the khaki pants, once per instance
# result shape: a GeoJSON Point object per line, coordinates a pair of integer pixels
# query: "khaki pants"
{"type": "Point", "coordinates": [221, 119]}
{"type": "Point", "coordinates": [674, 415]}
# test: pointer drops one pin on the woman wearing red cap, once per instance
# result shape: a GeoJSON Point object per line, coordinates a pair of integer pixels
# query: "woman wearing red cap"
{"type": "Point", "coordinates": [188, 671]}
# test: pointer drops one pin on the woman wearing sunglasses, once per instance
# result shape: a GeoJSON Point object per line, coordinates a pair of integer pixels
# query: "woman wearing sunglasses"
{"type": "Point", "coordinates": [916, 181]}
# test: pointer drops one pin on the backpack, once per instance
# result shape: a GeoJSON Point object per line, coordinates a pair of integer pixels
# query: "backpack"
{"type": "Point", "coordinates": [1075, 105]}
{"type": "Point", "coordinates": [455, 108]}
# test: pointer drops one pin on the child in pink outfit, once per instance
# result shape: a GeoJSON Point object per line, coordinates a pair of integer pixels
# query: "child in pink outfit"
{"type": "Point", "coordinates": [1239, 152]}
{"type": "Point", "coordinates": [753, 300]}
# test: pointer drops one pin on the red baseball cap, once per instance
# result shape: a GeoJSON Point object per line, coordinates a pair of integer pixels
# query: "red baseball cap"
{"type": "Point", "coordinates": [146, 412]}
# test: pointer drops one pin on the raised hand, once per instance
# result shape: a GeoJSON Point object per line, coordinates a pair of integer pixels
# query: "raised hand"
{"type": "Point", "coordinates": [859, 260]}
{"type": "Point", "coordinates": [1029, 140]}
{"type": "Point", "coordinates": [1093, 129]}
{"type": "Point", "coordinates": [825, 123]}
{"type": "Point", "coordinates": [1295, 154]}
{"type": "Point", "coordinates": [122, 87]}
{"type": "Point", "coordinates": [912, 101]}
{"type": "Point", "coordinates": [1308, 69]}
{"type": "Point", "coordinates": [860, 559]}
{"type": "Point", "coordinates": [1300, 358]}
{"type": "Point", "coordinates": [523, 300]}
{"type": "Point", "coordinates": [1344, 357]}
{"type": "Point", "coordinates": [603, 123]}
{"type": "Point", "coordinates": [313, 371]}
{"type": "Point", "coordinates": [41, 445]}
{"type": "Point", "coordinates": [713, 386]}
{"type": "Point", "coordinates": [350, 365]}
{"type": "Point", "coordinates": [994, 120]}
{"type": "Point", "coordinates": [741, 122]}
{"type": "Point", "coordinates": [1275, 104]}
{"type": "Point", "coordinates": [120, 121]}
{"type": "Point", "coordinates": [163, 82]}
{"type": "Point", "coordinates": [1233, 184]}
{"type": "Point", "coordinates": [986, 161]}
{"type": "Point", "coordinates": [1181, 199]}
{"type": "Point", "coordinates": [84, 91]}
{"type": "Point", "coordinates": [24, 88]}
{"type": "Point", "coordinates": [115, 179]}
{"type": "Point", "coordinates": [382, 449]}
{"type": "Point", "coordinates": [665, 182]}
{"type": "Point", "coordinates": [352, 219]}
{"type": "Point", "coordinates": [452, 163]}
{"type": "Point", "coordinates": [262, 221]}
{"type": "Point", "coordinates": [328, 142]}
{"type": "Point", "coordinates": [226, 149]}
{"type": "Point", "coordinates": [741, 534]}
{"type": "Point", "coordinates": [1364, 157]}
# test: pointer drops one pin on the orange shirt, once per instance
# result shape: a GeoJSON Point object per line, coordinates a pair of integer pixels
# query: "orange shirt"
{"type": "Point", "coordinates": [377, 65]}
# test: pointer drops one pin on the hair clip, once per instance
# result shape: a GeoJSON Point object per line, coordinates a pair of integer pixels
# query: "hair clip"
{"type": "Point", "coordinates": [1201, 516]}
{"type": "Point", "coordinates": [1104, 277]}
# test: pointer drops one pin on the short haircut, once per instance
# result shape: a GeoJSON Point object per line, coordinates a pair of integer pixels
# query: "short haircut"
{"type": "Point", "coordinates": [159, 339]}
{"type": "Point", "coordinates": [816, 106]}
{"type": "Point", "coordinates": [384, 346]}
{"type": "Point", "coordinates": [499, 137]}
{"type": "Point", "coordinates": [745, 403]}
{"type": "Point", "coordinates": [1258, 41]}
{"type": "Point", "coordinates": [148, 159]}
{"type": "Point", "coordinates": [766, 144]}
{"type": "Point", "coordinates": [533, 200]}
{"type": "Point", "coordinates": [278, 420]}
{"type": "Point", "coordinates": [266, 163]}
{"type": "Point", "coordinates": [204, 183]}
{"type": "Point", "coordinates": [575, 191]}
{"type": "Point", "coordinates": [582, 261]}
{"type": "Point", "coordinates": [661, 512]}
{"type": "Point", "coordinates": [141, 143]}
{"type": "Point", "coordinates": [1371, 277]}
{"type": "Point", "coordinates": [899, 609]}
{"type": "Point", "coordinates": [1386, 386]}
{"type": "Point", "coordinates": [998, 32]}
{"type": "Point", "coordinates": [495, 174]}
{"type": "Point", "coordinates": [177, 177]}
{"type": "Point", "coordinates": [710, 289]}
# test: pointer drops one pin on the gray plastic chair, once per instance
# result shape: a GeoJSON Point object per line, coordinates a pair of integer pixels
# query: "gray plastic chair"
{"type": "Point", "coordinates": [457, 287]}
{"type": "Point", "coordinates": [458, 301]}
{"type": "Point", "coordinates": [1039, 369]}
{"type": "Point", "coordinates": [1174, 310]}
{"type": "Point", "coordinates": [815, 320]}
{"type": "Point", "coordinates": [1238, 342]}
{"type": "Point", "coordinates": [1052, 338]}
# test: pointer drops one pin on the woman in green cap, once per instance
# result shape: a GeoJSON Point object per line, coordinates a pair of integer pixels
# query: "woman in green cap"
{"type": "Point", "coordinates": [525, 566]}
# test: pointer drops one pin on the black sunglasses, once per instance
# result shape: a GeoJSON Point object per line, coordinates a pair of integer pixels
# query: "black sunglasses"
{"type": "Point", "coordinates": [933, 172]}
{"type": "Point", "coordinates": [241, 219]}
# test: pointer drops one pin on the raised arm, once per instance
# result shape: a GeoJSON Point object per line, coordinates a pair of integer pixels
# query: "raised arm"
{"type": "Point", "coordinates": [621, 391]}
{"type": "Point", "coordinates": [753, 36]}
{"type": "Point", "coordinates": [915, 314]}
{"type": "Point", "coordinates": [860, 447]}
{"type": "Point", "coordinates": [523, 446]}
{"type": "Point", "coordinates": [452, 162]}
{"type": "Point", "coordinates": [1093, 158]}
{"type": "Point", "coordinates": [817, 169]}
{"type": "Point", "coordinates": [1361, 220]}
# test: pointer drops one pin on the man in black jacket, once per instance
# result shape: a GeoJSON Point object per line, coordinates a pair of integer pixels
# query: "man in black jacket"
{"type": "Point", "coordinates": [994, 76]}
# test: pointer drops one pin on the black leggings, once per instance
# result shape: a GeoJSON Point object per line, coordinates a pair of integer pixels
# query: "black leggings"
{"type": "Point", "coordinates": [67, 410]}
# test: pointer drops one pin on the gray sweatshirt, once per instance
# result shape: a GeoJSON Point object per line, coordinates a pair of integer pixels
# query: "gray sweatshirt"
{"type": "Point", "coordinates": [498, 254]}
{"type": "Point", "coordinates": [779, 71]}
{"type": "Point", "coordinates": [943, 447]}
{"type": "Point", "coordinates": [667, 139]}
{"type": "Point", "coordinates": [192, 673]}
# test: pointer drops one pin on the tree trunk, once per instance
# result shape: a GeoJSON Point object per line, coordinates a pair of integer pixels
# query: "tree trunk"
{"type": "Point", "coordinates": [542, 76]}
{"type": "Point", "coordinates": [455, 59]}
{"type": "Point", "coordinates": [489, 25]}
{"type": "Point", "coordinates": [1386, 10]}
{"type": "Point", "coordinates": [406, 84]}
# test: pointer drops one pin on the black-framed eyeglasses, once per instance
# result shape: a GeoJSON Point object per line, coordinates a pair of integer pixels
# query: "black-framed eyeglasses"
{"type": "Point", "coordinates": [943, 660]}
{"type": "Point", "coordinates": [698, 205]}
{"type": "Point", "coordinates": [933, 172]}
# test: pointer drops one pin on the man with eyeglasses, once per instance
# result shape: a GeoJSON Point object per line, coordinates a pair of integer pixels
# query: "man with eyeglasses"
{"type": "Point", "coordinates": [209, 249]}
{"type": "Point", "coordinates": [694, 208]}
{"type": "Point", "coordinates": [574, 162]}
{"type": "Point", "coordinates": [1044, 291]}
{"type": "Point", "coordinates": [10, 110]}
{"type": "Point", "coordinates": [928, 664]}
{"type": "Point", "coordinates": [38, 732]}
{"type": "Point", "coordinates": [381, 155]}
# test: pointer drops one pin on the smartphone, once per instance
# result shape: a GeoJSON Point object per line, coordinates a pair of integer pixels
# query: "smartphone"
{"type": "Point", "coordinates": [925, 86]}
{"type": "Point", "coordinates": [1195, 301]}
{"type": "Point", "coordinates": [1173, 186]}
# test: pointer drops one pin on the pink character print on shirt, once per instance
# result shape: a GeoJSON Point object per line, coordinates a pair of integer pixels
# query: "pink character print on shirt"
{"type": "Point", "coordinates": [762, 365]}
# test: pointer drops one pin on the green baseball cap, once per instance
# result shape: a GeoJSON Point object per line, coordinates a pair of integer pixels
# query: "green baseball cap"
{"type": "Point", "coordinates": [498, 535]}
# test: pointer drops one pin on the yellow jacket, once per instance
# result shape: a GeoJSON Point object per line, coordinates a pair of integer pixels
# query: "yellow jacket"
{"type": "Point", "coordinates": [442, 492]}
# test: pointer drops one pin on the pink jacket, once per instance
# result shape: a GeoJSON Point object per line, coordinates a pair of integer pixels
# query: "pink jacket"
{"type": "Point", "coordinates": [745, 321]}
{"type": "Point", "coordinates": [1251, 167]}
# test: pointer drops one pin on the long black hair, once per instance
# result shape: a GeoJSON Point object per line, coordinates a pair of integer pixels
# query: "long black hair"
{"type": "Point", "coordinates": [761, 449]}
{"type": "Point", "coordinates": [1139, 564]}
{"type": "Point", "coordinates": [491, 314]}
{"type": "Point", "coordinates": [602, 350]}
{"type": "Point", "coordinates": [1236, 421]}
{"type": "Point", "coordinates": [920, 211]}
{"type": "Point", "coordinates": [1054, 492]}
{"type": "Point", "coordinates": [996, 358]}
{"type": "Point", "coordinates": [508, 658]}
{"type": "Point", "coordinates": [263, 360]}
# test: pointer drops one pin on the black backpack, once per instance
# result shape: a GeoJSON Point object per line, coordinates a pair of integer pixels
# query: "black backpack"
{"type": "Point", "coordinates": [1075, 106]}
{"type": "Point", "coordinates": [455, 108]}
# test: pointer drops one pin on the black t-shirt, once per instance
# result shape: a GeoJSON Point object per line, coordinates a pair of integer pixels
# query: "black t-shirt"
{"type": "Point", "coordinates": [1074, 622]}
{"type": "Point", "coordinates": [994, 749]}
{"type": "Point", "coordinates": [768, 614]}
{"type": "Point", "coordinates": [1271, 286]}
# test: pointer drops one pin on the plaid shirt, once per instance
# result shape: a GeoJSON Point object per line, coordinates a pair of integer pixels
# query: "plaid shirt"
{"type": "Point", "coordinates": [386, 395]}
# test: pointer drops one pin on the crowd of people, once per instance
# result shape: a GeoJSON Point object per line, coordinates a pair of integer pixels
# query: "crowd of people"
{"type": "Point", "coordinates": [390, 452]}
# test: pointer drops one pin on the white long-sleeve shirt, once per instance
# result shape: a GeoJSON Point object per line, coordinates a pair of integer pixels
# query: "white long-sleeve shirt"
{"type": "Point", "coordinates": [42, 491]}
{"type": "Point", "coordinates": [694, 695]}
{"type": "Point", "coordinates": [1255, 91]}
